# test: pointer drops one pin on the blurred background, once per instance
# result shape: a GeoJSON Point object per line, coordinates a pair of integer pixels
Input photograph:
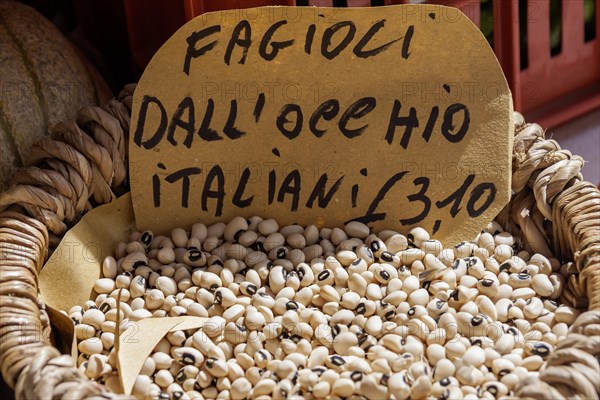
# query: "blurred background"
{"type": "Point", "coordinates": [549, 49]}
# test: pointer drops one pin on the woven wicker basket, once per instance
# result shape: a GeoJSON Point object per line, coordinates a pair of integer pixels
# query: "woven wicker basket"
{"type": "Point", "coordinates": [84, 164]}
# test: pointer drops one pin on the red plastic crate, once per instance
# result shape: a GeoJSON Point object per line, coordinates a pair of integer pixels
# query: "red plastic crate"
{"type": "Point", "coordinates": [551, 90]}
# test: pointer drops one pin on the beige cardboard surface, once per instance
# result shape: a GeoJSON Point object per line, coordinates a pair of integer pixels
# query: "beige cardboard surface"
{"type": "Point", "coordinates": [138, 340]}
{"type": "Point", "coordinates": [63, 333]}
{"type": "Point", "coordinates": [68, 277]}
{"type": "Point", "coordinates": [397, 116]}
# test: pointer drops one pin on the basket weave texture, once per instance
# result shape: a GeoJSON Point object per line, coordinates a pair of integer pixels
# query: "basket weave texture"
{"type": "Point", "coordinates": [83, 165]}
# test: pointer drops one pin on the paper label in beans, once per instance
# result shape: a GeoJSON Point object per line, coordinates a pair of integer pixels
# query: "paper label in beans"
{"type": "Point", "coordinates": [395, 116]}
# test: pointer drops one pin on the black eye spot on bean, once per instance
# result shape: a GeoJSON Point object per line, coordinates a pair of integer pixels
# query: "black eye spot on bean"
{"type": "Point", "coordinates": [361, 308]}
{"type": "Point", "coordinates": [411, 239]}
{"type": "Point", "coordinates": [384, 379]}
{"type": "Point", "coordinates": [368, 251]}
{"type": "Point", "coordinates": [439, 304]}
{"type": "Point", "coordinates": [251, 289]}
{"type": "Point", "coordinates": [138, 264]}
{"type": "Point", "coordinates": [357, 262]}
{"type": "Point", "coordinates": [504, 267]}
{"type": "Point", "coordinates": [476, 321]}
{"type": "Point", "coordinates": [318, 370]}
{"type": "Point", "coordinates": [146, 238]}
{"type": "Point", "coordinates": [384, 274]}
{"type": "Point", "coordinates": [177, 395]}
{"type": "Point", "coordinates": [455, 264]}
{"type": "Point", "coordinates": [188, 359]}
{"type": "Point", "coordinates": [365, 344]}
{"type": "Point", "coordinates": [492, 389]}
{"type": "Point", "coordinates": [471, 262]}
{"type": "Point", "coordinates": [454, 295]}
{"type": "Point", "coordinates": [104, 307]}
{"type": "Point", "coordinates": [375, 245]}
{"type": "Point", "coordinates": [337, 360]}
{"type": "Point", "coordinates": [411, 311]}
{"type": "Point", "coordinates": [503, 372]}
{"type": "Point", "coordinates": [541, 350]}
{"type": "Point", "coordinates": [237, 235]}
{"type": "Point", "coordinates": [213, 287]}
{"type": "Point", "coordinates": [356, 376]}
{"type": "Point", "coordinates": [487, 282]}
{"type": "Point", "coordinates": [476, 342]}
{"type": "Point", "coordinates": [270, 265]}
{"type": "Point", "coordinates": [210, 362]}
{"type": "Point", "coordinates": [194, 255]}
{"type": "Point", "coordinates": [390, 315]}
{"type": "Point", "coordinates": [292, 274]}
{"type": "Point", "coordinates": [523, 276]}
{"type": "Point", "coordinates": [218, 298]}
{"type": "Point", "coordinates": [445, 381]}
{"type": "Point", "coordinates": [164, 396]}
{"type": "Point", "coordinates": [386, 256]}
{"type": "Point", "coordinates": [181, 376]}
{"type": "Point", "coordinates": [404, 377]}
{"type": "Point", "coordinates": [336, 330]}
{"type": "Point", "coordinates": [323, 275]}
{"type": "Point", "coordinates": [291, 305]}
{"type": "Point", "coordinates": [281, 253]}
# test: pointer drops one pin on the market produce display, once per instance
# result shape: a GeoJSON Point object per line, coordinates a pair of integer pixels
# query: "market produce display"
{"type": "Point", "coordinates": [44, 79]}
{"type": "Point", "coordinates": [302, 312]}
{"type": "Point", "coordinates": [268, 307]}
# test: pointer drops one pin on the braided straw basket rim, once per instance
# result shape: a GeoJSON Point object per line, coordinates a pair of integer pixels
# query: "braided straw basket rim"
{"type": "Point", "coordinates": [83, 164]}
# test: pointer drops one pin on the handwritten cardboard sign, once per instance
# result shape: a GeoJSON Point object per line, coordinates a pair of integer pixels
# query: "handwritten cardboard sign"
{"type": "Point", "coordinates": [395, 116]}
